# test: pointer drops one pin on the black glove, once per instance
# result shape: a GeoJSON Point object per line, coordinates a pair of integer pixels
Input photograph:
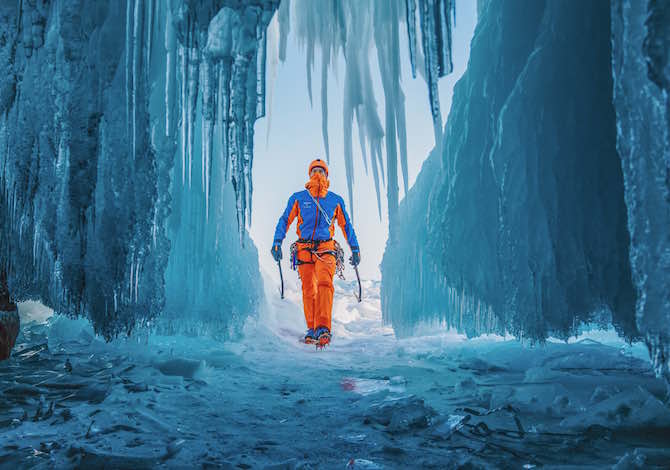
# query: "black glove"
{"type": "Point", "coordinates": [355, 257]}
{"type": "Point", "coordinates": [276, 251]}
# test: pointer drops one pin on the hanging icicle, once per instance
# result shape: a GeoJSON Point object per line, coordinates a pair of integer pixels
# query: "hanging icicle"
{"type": "Point", "coordinates": [222, 58]}
{"type": "Point", "coordinates": [436, 18]}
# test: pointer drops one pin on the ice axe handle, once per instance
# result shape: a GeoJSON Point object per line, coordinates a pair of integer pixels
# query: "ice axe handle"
{"type": "Point", "coordinates": [281, 278]}
{"type": "Point", "coordinates": [359, 297]}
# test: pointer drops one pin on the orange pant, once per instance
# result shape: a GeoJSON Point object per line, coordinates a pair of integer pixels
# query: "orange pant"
{"type": "Point", "coordinates": [317, 284]}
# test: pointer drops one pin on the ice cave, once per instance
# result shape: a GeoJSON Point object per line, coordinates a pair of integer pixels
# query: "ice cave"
{"type": "Point", "coordinates": [476, 271]}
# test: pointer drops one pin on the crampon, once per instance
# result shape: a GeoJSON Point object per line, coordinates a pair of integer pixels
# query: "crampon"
{"type": "Point", "coordinates": [323, 341]}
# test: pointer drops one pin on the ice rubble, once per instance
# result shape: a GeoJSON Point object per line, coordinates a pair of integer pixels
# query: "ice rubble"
{"type": "Point", "coordinates": [518, 223]}
{"type": "Point", "coordinates": [70, 399]}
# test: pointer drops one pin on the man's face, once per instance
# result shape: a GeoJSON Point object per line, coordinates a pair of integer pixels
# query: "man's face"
{"type": "Point", "coordinates": [317, 169]}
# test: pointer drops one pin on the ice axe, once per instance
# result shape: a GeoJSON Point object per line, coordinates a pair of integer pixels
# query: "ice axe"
{"type": "Point", "coordinates": [281, 278]}
{"type": "Point", "coordinates": [360, 295]}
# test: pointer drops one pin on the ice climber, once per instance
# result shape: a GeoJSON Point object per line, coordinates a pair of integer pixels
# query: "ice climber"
{"type": "Point", "coordinates": [316, 253]}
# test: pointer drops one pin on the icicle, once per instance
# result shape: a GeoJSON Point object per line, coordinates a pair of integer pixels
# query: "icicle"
{"type": "Point", "coordinates": [348, 116]}
{"type": "Point", "coordinates": [402, 136]}
{"type": "Point", "coordinates": [237, 134]}
{"type": "Point", "coordinates": [309, 63]}
{"type": "Point", "coordinates": [325, 60]}
{"type": "Point", "coordinates": [272, 60]}
{"type": "Point", "coordinates": [129, 18]}
{"type": "Point", "coordinates": [284, 18]}
{"type": "Point", "coordinates": [224, 97]}
{"type": "Point", "coordinates": [233, 62]}
{"type": "Point", "coordinates": [208, 116]}
{"type": "Point", "coordinates": [250, 118]}
{"type": "Point", "coordinates": [391, 164]}
{"type": "Point", "coordinates": [375, 174]}
{"type": "Point", "coordinates": [150, 27]}
{"type": "Point", "coordinates": [380, 161]}
{"type": "Point", "coordinates": [207, 102]}
{"type": "Point", "coordinates": [137, 279]}
{"type": "Point", "coordinates": [387, 40]}
{"type": "Point", "coordinates": [183, 59]}
{"type": "Point", "coordinates": [411, 33]}
{"type": "Point", "coordinates": [132, 272]}
{"type": "Point", "coordinates": [154, 229]}
{"type": "Point", "coordinates": [398, 95]}
{"type": "Point", "coordinates": [260, 73]}
{"type": "Point", "coordinates": [431, 53]}
{"type": "Point", "coordinates": [192, 101]}
{"type": "Point", "coordinates": [332, 25]}
{"type": "Point", "coordinates": [170, 47]}
{"type": "Point", "coordinates": [136, 65]}
{"type": "Point", "coordinates": [362, 134]}
{"type": "Point", "coordinates": [435, 18]}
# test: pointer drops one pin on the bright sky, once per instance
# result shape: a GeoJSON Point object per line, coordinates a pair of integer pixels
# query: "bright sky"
{"type": "Point", "coordinates": [281, 161]}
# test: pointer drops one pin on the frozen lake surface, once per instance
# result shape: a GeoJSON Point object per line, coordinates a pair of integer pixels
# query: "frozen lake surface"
{"type": "Point", "coordinates": [367, 401]}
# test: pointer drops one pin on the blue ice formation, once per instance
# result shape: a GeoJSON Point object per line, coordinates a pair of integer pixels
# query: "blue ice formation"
{"type": "Point", "coordinates": [641, 71]}
{"type": "Point", "coordinates": [82, 198]}
{"type": "Point", "coordinates": [436, 19]}
{"type": "Point", "coordinates": [507, 220]}
{"type": "Point", "coordinates": [547, 204]}
{"type": "Point", "coordinates": [111, 200]}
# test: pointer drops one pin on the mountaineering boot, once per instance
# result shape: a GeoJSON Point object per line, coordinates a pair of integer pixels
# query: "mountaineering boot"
{"type": "Point", "coordinates": [323, 336]}
{"type": "Point", "coordinates": [310, 336]}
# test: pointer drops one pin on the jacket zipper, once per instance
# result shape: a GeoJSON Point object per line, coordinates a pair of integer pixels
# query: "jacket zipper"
{"type": "Point", "coordinates": [317, 217]}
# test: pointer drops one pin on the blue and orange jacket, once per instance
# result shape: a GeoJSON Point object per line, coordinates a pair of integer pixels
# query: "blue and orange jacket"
{"type": "Point", "coordinates": [312, 225]}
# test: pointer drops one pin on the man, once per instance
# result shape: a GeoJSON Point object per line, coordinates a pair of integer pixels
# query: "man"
{"type": "Point", "coordinates": [316, 209]}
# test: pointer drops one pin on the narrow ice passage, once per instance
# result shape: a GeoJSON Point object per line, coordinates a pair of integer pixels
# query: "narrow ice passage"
{"type": "Point", "coordinates": [126, 200]}
{"type": "Point", "coordinates": [367, 401]}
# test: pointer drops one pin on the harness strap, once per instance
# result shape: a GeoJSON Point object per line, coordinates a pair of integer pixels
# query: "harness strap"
{"type": "Point", "coordinates": [316, 253]}
{"type": "Point", "coordinates": [337, 253]}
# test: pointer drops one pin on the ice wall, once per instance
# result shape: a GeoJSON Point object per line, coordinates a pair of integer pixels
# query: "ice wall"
{"type": "Point", "coordinates": [641, 71]}
{"type": "Point", "coordinates": [98, 100]}
{"type": "Point", "coordinates": [79, 197]}
{"type": "Point", "coordinates": [518, 222]}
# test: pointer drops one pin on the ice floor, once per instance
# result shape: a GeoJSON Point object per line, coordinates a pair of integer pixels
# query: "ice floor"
{"type": "Point", "coordinates": [367, 401]}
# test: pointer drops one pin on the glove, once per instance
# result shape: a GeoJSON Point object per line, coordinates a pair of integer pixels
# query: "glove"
{"type": "Point", "coordinates": [355, 257]}
{"type": "Point", "coordinates": [276, 251]}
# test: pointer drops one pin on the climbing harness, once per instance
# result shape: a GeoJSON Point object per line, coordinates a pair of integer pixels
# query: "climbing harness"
{"type": "Point", "coordinates": [337, 253]}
